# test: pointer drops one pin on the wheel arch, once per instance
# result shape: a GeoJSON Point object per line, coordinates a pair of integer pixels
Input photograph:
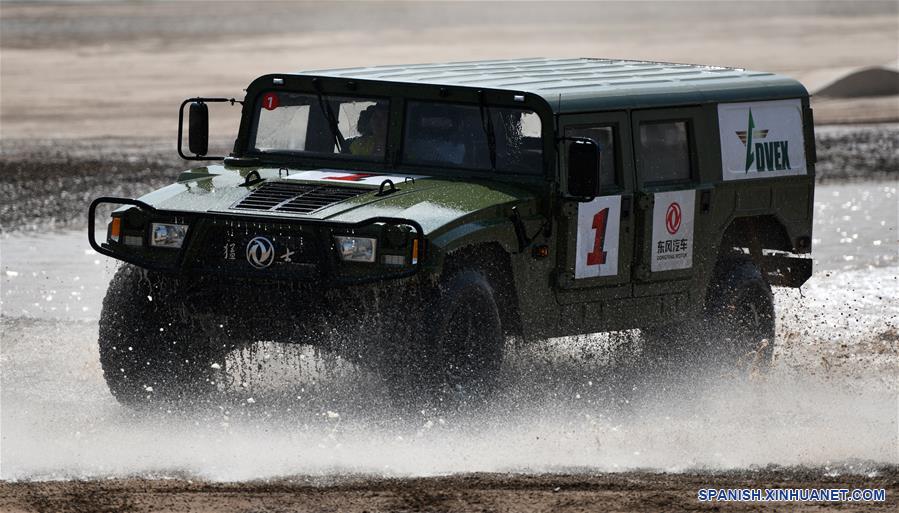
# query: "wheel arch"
{"type": "Point", "coordinates": [496, 262]}
{"type": "Point", "coordinates": [750, 235]}
{"type": "Point", "coordinates": [761, 232]}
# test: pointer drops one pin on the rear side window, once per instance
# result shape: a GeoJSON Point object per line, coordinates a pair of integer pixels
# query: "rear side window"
{"type": "Point", "coordinates": [604, 136]}
{"type": "Point", "coordinates": [664, 152]}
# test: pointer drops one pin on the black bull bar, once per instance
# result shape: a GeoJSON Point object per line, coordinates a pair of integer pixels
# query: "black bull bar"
{"type": "Point", "coordinates": [191, 219]}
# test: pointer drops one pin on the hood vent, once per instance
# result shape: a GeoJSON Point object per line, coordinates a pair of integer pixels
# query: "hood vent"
{"type": "Point", "coordinates": [296, 198]}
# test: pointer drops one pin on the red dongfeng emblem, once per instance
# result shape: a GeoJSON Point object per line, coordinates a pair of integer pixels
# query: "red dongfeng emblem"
{"type": "Point", "coordinates": [672, 218]}
{"type": "Point", "coordinates": [270, 101]}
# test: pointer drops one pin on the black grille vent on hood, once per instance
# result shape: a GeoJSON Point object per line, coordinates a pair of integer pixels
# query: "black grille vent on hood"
{"type": "Point", "coordinates": [296, 198]}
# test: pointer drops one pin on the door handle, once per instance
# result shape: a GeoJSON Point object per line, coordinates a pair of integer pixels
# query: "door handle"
{"type": "Point", "coordinates": [705, 201]}
{"type": "Point", "coordinates": [625, 207]}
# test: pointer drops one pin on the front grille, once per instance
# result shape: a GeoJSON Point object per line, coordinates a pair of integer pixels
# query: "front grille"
{"type": "Point", "coordinates": [224, 248]}
{"type": "Point", "coordinates": [296, 198]}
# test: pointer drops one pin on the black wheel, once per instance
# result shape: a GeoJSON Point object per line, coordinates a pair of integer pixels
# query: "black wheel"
{"type": "Point", "coordinates": [740, 314]}
{"type": "Point", "coordinates": [735, 334]}
{"type": "Point", "coordinates": [452, 358]}
{"type": "Point", "coordinates": [148, 352]}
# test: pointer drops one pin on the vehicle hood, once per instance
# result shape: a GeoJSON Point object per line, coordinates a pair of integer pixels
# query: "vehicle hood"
{"type": "Point", "coordinates": [434, 203]}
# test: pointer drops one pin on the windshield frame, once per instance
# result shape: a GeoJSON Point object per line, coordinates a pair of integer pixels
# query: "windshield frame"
{"type": "Point", "coordinates": [398, 93]}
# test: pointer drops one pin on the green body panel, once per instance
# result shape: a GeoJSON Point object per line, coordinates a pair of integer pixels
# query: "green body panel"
{"type": "Point", "coordinates": [463, 209]}
{"type": "Point", "coordinates": [439, 205]}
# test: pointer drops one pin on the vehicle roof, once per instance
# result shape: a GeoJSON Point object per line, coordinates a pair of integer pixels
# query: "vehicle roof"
{"type": "Point", "coordinates": [585, 84]}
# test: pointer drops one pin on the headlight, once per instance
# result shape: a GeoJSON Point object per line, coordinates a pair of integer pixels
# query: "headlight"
{"type": "Point", "coordinates": [356, 249]}
{"type": "Point", "coordinates": [164, 235]}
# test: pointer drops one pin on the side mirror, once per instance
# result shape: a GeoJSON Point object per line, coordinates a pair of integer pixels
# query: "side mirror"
{"type": "Point", "coordinates": [583, 168]}
{"type": "Point", "coordinates": [198, 129]}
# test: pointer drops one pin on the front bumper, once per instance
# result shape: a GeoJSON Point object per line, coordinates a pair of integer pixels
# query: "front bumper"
{"type": "Point", "coordinates": [303, 250]}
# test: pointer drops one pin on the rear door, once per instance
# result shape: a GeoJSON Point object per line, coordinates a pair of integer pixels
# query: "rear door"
{"type": "Point", "coordinates": [673, 186]}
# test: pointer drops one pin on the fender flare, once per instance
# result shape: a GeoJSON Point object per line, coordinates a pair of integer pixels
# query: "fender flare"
{"type": "Point", "coordinates": [498, 231]}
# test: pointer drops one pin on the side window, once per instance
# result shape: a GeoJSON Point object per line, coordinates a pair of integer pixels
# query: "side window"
{"type": "Point", "coordinates": [455, 135]}
{"type": "Point", "coordinates": [605, 137]}
{"type": "Point", "coordinates": [664, 152]}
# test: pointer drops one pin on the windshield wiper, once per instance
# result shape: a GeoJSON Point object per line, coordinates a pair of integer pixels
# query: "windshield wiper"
{"type": "Point", "coordinates": [339, 141]}
{"type": "Point", "coordinates": [487, 124]}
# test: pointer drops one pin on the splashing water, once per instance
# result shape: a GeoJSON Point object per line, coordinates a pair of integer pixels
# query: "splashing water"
{"type": "Point", "coordinates": [830, 400]}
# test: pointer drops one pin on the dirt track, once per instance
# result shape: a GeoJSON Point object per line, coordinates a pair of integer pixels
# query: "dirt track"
{"type": "Point", "coordinates": [475, 492]}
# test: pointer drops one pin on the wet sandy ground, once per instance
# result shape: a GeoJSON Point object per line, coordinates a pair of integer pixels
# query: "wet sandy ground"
{"type": "Point", "coordinates": [582, 492]}
{"type": "Point", "coordinates": [320, 436]}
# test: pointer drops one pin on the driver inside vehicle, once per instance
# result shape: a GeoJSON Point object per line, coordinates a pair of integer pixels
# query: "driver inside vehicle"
{"type": "Point", "coordinates": [372, 127]}
{"type": "Point", "coordinates": [437, 134]}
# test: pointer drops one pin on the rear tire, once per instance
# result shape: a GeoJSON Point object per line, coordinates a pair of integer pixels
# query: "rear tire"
{"type": "Point", "coordinates": [735, 334]}
{"type": "Point", "coordinates": [740, 311]}
{"type": "Point", "coordinates": [148, 352]}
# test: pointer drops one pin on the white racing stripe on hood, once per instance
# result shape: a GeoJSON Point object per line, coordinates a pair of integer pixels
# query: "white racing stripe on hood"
{"type": "Point", "coordinates": [326, 175]}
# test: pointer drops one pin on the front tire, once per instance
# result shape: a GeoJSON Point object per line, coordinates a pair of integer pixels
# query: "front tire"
{"type": "Point", "coordinates": [148, 352]}
{"type": "Point", "coordinates": [452, 358]}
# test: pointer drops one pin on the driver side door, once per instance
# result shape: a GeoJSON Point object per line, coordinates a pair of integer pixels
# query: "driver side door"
{"type": "Point", "coordinates": [598, 236]}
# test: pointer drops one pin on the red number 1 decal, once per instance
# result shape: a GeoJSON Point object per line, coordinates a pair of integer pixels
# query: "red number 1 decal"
{"type": "Point", "coordinates": [270, 101]}
{"type": "Point", "coordinates": [598, 256]}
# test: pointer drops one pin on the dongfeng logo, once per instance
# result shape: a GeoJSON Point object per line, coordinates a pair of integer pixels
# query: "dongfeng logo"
{"type": "Point", "coordinates": [260, 252]}
{"type": "Point", "coordinates": [765, 156]}
{"type": "Point", "coordinates": [672, 218]}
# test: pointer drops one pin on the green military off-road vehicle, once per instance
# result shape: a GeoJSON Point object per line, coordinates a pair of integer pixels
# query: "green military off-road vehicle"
{"type": "Point", "coordinates": [412, 218]}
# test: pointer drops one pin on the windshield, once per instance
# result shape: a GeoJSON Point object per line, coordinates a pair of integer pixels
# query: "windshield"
{"type": "Point", "coordinates": [473, 137]}
{"type": "Point", "coordinates": [435, 134]}
{"type": "Point", "coordinates": [349, 127]}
